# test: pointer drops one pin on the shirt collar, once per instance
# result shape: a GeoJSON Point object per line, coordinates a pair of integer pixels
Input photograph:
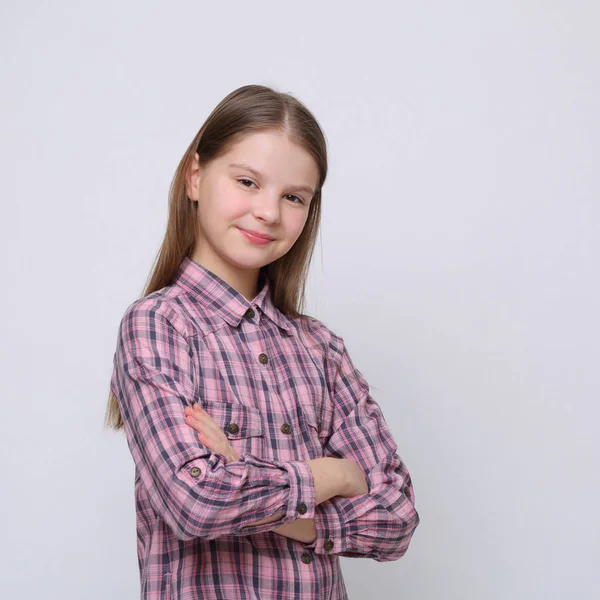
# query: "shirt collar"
{"type": "Point", "coordinates": [224, 300]}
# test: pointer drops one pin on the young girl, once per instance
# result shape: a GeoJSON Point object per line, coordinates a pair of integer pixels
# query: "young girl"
{"type": "Point", "coordinates": [260, 455]}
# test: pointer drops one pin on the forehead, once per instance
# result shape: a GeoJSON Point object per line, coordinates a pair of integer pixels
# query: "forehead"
{"type": "Point", "coordinates": [273, 155]}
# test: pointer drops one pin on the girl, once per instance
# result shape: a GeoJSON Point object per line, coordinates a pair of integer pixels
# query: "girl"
{"type": "Point", "coordinates": [260, 455]}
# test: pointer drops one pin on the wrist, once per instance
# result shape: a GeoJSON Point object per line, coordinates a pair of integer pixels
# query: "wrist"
{"type": "Point", "coordinates": [330, 477]}
{"type": "Point", "coordinates": [341, 477]}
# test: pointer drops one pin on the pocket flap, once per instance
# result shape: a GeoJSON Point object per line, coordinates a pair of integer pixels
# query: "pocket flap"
{"type": "Point", "coordinates": [236, 420]}
{"type": "Point", "coordinates": [320, 422]}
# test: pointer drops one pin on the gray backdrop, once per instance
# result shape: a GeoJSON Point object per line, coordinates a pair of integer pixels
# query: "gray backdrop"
{"type": "Point", "coordinates": [458, 259]}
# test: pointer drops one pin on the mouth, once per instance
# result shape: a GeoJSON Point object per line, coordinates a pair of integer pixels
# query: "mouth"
{"type": "Point", "coordinates": [258, 235]}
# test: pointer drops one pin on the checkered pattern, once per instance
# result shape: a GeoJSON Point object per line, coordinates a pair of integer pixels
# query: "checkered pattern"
{"type": "Point", "coordinates": [283, 394]}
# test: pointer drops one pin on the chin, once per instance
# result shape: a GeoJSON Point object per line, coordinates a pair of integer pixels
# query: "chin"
{"type": "Point", "coordinates": [250, 258]}
{"type": "Point", "coordinates": [246, 263]}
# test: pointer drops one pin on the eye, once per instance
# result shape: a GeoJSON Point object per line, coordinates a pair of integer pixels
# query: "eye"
{"type": "Point", "coordinates": [244, 179]}
{"type": "Point", "coordinates": [297, 197]}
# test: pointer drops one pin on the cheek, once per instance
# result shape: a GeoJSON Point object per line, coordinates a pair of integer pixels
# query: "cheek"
{"type": "Point", "coordinates": [231, 203]}
{"type": "Point", "coordinates": [296, 224]}
{"type": "Point", "coordinates": [236, 206]}
{"type": "Point", "coordinates": [221, 210]}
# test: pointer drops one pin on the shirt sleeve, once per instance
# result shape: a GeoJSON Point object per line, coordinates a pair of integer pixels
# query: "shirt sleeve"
{"type": "Point", "coordinates": [379, 524]}
{"type": "Point", "coordinates": [193, 489]}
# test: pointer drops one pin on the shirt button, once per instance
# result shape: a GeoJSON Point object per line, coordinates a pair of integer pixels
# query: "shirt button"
{"type": "Point", "coordinates": [302, 508]}
{"type": "Point", "coordinates": [249, 313]}
{"type": "Point", "coordinates": [263, 358]}
{"type": "Point", "coordinates": [233, 428]}
{"type": "Point", "coordinates": [195, 471]}
{"type": "Point", "coordinates": [328, 545]}
{"type": "Point", "coordinates": [306, 558]}
{"type": "Point", "coordinates": [285, 428]}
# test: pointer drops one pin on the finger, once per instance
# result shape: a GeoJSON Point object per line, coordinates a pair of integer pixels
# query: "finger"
{"type": "Point", "coordinates": [205, 419]}
{"type": "Point", "coordinates": [205, 425]}
{"type": "Point", "coordinates": [199, 413]}
{"type": "Point", "coordinates": [195, 413]}
{"type": "Point", "coordinates": [195, 424]}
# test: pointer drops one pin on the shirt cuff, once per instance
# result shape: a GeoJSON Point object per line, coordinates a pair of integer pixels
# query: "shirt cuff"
{"type": "Point", "coordinates": [301, 499]}
{"type": "Point", "coordinates": [301, 503]}
{"type": "Point", "coordinates": [331, 530]}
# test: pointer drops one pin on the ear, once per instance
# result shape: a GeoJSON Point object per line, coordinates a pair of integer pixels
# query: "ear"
{"type": "Point", "coordinates": [193, 179]}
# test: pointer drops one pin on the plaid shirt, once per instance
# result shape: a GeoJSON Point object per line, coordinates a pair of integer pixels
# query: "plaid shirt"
{"type": "Point", "coordinates": [282, 396]}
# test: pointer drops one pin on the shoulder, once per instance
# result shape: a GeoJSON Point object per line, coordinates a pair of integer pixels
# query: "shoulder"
{"type": "Point", "coordinates": [319, 333]}
{"type": "Point", "coordinates": [152, 314]}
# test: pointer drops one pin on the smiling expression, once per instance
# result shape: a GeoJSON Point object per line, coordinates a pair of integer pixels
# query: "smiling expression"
{"type": "Point", "coordinates": [264, 184]}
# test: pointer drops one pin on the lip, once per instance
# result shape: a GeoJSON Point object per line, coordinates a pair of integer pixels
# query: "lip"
{"type": "Point", "coordinates": [256, 234]}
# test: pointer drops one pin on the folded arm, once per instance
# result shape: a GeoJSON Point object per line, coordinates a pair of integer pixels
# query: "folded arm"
{"type": "Point", "coordinates": [193, 489]}
{"type": "Point", "coordinates": [379, 524]}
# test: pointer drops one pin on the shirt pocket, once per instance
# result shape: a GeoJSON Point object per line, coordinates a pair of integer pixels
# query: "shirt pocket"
{"type": "Point", "coordinates": [317, 424]}
{"type": "Point", "coordinates": [242, 424]}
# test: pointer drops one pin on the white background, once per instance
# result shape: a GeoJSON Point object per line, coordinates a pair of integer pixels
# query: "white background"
{"type": "Point", "coordinates": [458, 258]}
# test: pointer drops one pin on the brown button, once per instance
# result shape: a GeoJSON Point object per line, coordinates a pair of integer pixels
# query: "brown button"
{"type": "Point", "coordinates": [302, 508]}
{"type": "Point", "coordinates": [250, 313]}
{"type": "Point", "coordinates": [328, 545]}
{"type": "Point", "coordinates": [285, 428]}
{"type": "Point", "coordinates": [263, 358]}
{"type": "Point", "coordinates": [233, 428]}
{"type": "Point", "coordinates": [195, 471]}
{"type": "Point", "coordinates": [306, 558]}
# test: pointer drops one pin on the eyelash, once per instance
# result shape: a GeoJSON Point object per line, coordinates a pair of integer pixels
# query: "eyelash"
{"type": "Point", "coordinates": [250, 180]}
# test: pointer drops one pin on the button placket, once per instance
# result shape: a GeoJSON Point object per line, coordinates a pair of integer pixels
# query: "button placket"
{"type": "Point", "coordinates": [265, 347]}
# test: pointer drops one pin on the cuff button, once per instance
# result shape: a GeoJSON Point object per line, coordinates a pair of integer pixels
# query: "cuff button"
{"type": "Point", "coordinates": [302, 508]}
{"type": "Point", "coordinates": [328, 545]}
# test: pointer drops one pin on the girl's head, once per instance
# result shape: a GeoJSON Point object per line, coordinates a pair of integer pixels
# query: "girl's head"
{"type": "Point", "coordinates": [277, 192]}
{"type": "Point", "coordinates": [264, 182]}
{"type": "Point", "coordinates": [277, 136]}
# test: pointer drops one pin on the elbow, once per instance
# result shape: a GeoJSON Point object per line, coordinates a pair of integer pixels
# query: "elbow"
{"type": "Point", "coordinates": [186, 525]}
{"type": "Point", "coordinates": [401, 540]}
{"type": "Point", "coordinates": [189, 512]}
{"type": "Point", "coordinates": [182, 534]}
{"type": "Point", "coordinates": [177, 515]}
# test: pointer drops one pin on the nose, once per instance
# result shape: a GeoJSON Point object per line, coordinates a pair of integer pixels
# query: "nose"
{"type": "Point", "coordinates": [267, 207]}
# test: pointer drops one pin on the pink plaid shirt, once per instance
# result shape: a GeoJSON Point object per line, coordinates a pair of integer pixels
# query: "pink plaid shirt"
{"type": "Point", "coordinates": [281, 403]}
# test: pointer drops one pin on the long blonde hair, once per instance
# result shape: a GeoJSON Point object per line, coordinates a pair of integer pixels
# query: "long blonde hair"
{"type": "Point", "coordinates": [248, 109]}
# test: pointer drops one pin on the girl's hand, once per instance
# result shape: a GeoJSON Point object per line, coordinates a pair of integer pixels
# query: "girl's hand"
{"type": "Point", "coordinates": [355, 482]}
{"type": "Point", "coordinates": [209, 433]}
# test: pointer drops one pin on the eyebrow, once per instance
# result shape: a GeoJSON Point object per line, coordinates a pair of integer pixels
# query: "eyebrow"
{"type": "Point", "coordinates": [258, 175]}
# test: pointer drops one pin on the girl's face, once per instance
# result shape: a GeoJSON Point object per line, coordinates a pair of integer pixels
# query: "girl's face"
{"type": "Point", "coordinates": [265, 183]}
